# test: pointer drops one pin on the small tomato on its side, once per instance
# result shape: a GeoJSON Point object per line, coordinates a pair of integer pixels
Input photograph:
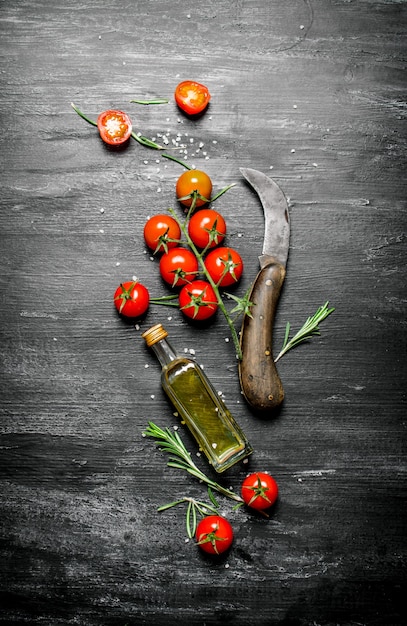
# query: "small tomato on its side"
{"type": "Point", "coordinates": [178, 266]}
{"type": "Point", "coordinates": [194, 184]}
{"type": "Point", "coordinates": [225, 266]}
{"type": "Point", "coordinates": [162, 232]}
{"type": "Point", "coordinates": [259, 491]}
{"type": "Point", "coordinates": [207, 228]}
{"type": "Point", "coordinates": [198, 300]}
{"type": "Point", "coordinates": [214, 534]}
{"type": "Point", "coordinates": [131, 299]}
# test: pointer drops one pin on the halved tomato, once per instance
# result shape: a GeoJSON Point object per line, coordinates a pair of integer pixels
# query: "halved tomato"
{"type": "Point", "coordinates": [114, 126]}
{"type": "Point", "coordinates": [192, 97]}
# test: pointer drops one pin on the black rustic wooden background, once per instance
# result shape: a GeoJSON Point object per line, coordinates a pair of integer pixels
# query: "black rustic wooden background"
{"type": "Point", "coordinates": [311, 92]}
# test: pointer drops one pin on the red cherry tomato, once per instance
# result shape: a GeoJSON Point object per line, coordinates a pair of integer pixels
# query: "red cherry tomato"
{"type": "Point", "coordinates": [207, 228]}
{"type": "Point", "coordinates": [225, 266]}
{"type": "Point", "coordinates": [194, 184]}
{"type": "Point", "coordinates": [192, 97]}
{"type": "Point", "coordinates": [214, 534]}
{"type": "Point", "coordinates": [162, 232]}
{"type": "Point", "coordinates": [198, 300]}
{"type": "Point", "coordinates": [131, 299]}
{"type": "Point", "coordinates": [259, 491]}
{"type": "Point", "coordinates": [114, 126]}
{"type": "Point", "coordinates": [178, 266]}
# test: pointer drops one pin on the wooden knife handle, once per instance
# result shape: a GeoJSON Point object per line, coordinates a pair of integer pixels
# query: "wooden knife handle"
{"type": "Point", "coordinates": [259, 379]}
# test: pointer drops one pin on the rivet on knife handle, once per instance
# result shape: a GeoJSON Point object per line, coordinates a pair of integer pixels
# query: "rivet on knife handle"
{"type": "Point", "coordinates": [259, 378]}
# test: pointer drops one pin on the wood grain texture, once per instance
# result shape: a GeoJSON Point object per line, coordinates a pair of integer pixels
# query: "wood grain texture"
{"type": "Point", "coordinates": [311, 92]}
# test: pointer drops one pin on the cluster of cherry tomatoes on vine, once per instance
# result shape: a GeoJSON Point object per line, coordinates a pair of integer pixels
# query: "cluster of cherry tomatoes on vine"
{"type": "Point", "coordinates": [182, 265]}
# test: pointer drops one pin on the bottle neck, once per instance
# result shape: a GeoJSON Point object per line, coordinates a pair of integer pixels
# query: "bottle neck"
{"type": "Point", "coordinates": [164, 352]}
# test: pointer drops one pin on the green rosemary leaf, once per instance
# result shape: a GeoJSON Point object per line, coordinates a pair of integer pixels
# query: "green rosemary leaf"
{"type": "Point", "coordinates": [82, 115]}
{"type": "Point", "coordinates": [212, 497]}
{"type": "Point", "coordinates": [177, 160]}
{"type": "Point", "coordinates": [156, 101]}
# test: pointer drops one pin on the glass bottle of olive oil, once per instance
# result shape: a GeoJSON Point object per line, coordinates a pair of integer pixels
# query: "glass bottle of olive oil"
{"type": "Point", "coordinates": [198, 404]}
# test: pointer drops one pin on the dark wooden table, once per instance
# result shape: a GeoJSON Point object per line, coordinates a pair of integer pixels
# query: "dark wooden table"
{"type": "Point", "coordinates": [312, 93]}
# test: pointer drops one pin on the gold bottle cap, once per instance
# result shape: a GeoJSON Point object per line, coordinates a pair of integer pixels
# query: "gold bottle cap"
{"type": "Point", "coordinates": [154, 334]}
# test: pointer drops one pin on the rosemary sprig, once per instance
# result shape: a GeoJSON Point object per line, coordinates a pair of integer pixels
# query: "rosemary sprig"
{"type": "Point", "coordinates": [156, 101]}
{"type": "Point", "coordinates": [308, 330]}
{"type": "Point", "coordinates": [144, 141]}
{"type": "Point", "coordinates": [194, 508]}
{"type": "Point", "coordinates": [180, 458]}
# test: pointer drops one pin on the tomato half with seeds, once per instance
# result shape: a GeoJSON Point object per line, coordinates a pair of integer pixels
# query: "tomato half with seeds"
{"type": "Point", "coordinates": [198, 300]}
{"type": "Point", "coordinates": [178, 266]}
{"type": "Point", "coordinates": [259, 491]}
{"type": "Point", "coordinates": [225, 266]}
{"type": "Point", "coordinates": [131, 299]}
{"type": "Point", "coordinates": [162, 232]}
{"type": "Point", "coordinates": [192, 97]}
{"type": "Point", "coordinates": [114, 126]}
{"type": "Point", "coordinates": [207, 228]}
{"type": "Point", "coordinates": [214, 534]}
{"type": "Point", "coordinates": [194, 185]}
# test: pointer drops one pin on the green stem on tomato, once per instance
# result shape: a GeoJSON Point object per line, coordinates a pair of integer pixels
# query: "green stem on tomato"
{"type": "Point", "coordinates": [179, 161]}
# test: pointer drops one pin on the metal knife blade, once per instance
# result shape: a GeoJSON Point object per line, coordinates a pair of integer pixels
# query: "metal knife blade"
{"type": "Point", "coordinates": [259, 378]}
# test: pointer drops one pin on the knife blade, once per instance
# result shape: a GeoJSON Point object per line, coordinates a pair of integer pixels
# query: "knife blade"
{"type": "Point", "coordinates": [259, 378]}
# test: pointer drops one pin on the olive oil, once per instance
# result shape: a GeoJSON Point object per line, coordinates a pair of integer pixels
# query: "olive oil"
{"type": "Point", "coordinates": [193, 396]}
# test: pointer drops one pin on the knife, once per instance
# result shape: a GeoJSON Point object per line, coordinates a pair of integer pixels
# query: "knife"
{"type": "Point", "coordinates": [259, 378]}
